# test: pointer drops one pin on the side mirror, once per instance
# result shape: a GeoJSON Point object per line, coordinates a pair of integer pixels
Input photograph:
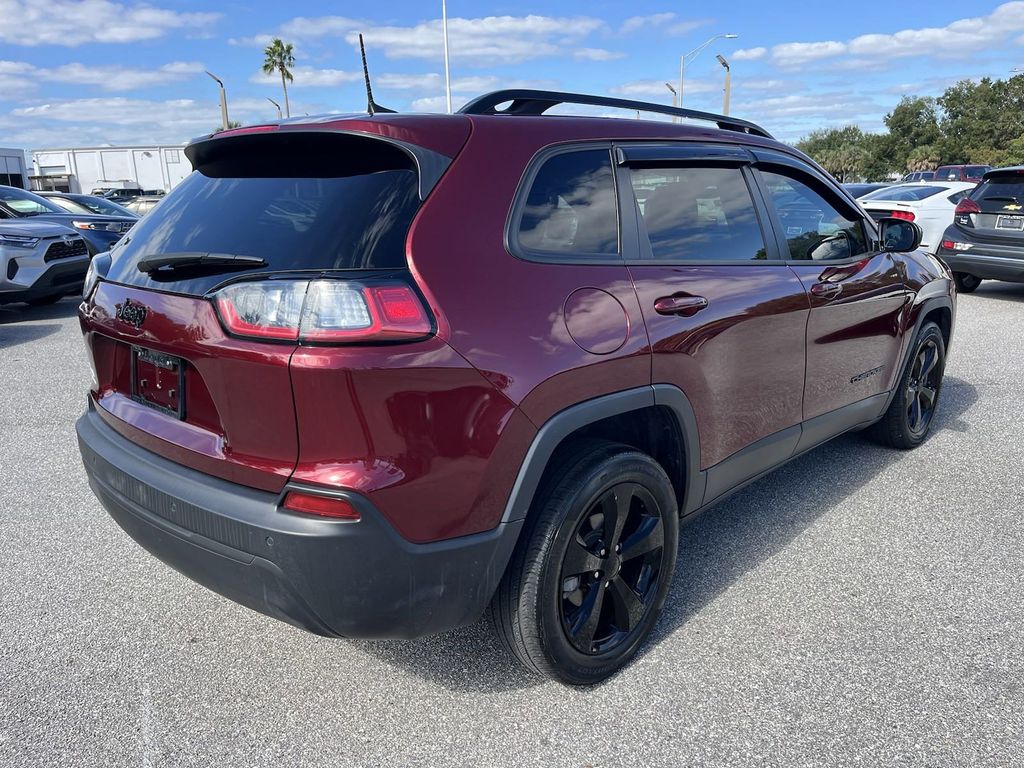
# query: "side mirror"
{"type": "Point", "coordinates": [899, 235]}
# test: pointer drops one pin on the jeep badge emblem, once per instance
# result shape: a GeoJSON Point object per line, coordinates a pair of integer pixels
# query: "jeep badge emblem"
{"type": "Point", "coordinates": [132, 313]}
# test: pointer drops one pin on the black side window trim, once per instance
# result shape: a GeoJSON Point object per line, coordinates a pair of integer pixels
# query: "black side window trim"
{"type": "Point", "coordinates": [515, 214]}
{"type": "Point", "coordinates": [640, 254]}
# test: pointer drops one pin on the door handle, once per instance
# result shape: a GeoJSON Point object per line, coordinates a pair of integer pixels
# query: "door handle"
{"type": "Point", "coordinates": [827, 290]}
{"type": "Point", "coordinates": [684, 305]}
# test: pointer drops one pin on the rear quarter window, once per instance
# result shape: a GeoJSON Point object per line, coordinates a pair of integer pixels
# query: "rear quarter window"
{"type": "Point", "coordinates": [569, 211]}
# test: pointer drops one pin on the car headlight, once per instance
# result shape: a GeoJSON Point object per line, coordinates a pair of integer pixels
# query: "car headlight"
{"type": "Point", "coordinates": [98, 226]}
{"type": "Point", "coordinates": [19, 241]}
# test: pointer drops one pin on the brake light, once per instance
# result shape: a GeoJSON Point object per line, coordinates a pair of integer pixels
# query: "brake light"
{"type": "Point", "coordinates": [323, 311]}
{"type": "Point", "coordinates": [966, 206]}
{"type": "Point", "coordinates": [948, 245]}
{"type": "Point", "coordinates": [323, 506]}
{"type": "Point", "coordinates": [904, 215]}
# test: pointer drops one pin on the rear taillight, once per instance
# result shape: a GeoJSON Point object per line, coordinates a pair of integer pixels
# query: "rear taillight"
{"type": "Point", "coordinates": [322, 506]}
{"type": "Point", "coordinates": [966, 206]}
{"type": "Point", "coordinates": [904, 215]}
{"type": "Point", "coordinates": [323, 311]}
{"type": "Point", "coordinates": [964, 209]}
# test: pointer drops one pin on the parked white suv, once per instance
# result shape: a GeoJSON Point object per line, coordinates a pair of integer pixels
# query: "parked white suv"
{"type": "Point", "coordinates": [40, 262]}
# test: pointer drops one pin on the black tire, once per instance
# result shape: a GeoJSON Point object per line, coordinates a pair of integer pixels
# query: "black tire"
{"type": "Point", "coordinates": [45, 301]}
{"type": "Point", "coordinates": [908, 419]}
{"type": "Point", "coordinates": [540, 610]}
{"type": "Point", "coordinates": [966, 283]}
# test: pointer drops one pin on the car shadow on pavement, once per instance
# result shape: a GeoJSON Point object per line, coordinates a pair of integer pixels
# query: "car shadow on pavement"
{"type": "Point", "coordinates": [715, 550]}
{"type": "Point", "coordinates": [992, 289]}
{"type": "Point", "coordinates": [24, 313]}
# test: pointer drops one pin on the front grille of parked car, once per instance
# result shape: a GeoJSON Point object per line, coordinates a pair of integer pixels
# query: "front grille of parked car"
{"type": "Point", "coordinates": [65, 249]}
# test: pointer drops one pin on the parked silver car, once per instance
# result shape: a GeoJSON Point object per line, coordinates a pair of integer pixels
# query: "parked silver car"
{"type": "Point", "coordinates": [40, 262]}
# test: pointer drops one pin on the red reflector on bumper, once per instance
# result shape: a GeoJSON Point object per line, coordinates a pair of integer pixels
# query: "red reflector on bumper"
{"type": "Point", "coordinates": [324, 506]}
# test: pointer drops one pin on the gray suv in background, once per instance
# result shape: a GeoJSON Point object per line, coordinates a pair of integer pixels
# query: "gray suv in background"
{"type": "Point", "coordinates": [40, 262]}
{"type": "Point", "coordinates": [986, 239]}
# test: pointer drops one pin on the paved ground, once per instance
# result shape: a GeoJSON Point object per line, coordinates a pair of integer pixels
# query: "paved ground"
{"type": "Point", "coordinates": [858, 607]}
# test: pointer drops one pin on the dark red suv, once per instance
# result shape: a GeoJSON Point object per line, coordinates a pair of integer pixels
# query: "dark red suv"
{"type": "Point", "coordinates": [371, 375]}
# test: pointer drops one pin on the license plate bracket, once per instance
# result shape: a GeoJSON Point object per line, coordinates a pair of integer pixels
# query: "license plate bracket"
{"type": "Point", "coordinates": [1010, 222]}
{"type": "Point", "coordinates": [158, 381]}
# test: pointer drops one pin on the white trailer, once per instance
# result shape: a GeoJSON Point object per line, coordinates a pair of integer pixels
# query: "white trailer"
{"type": "Point", "coordinates": [87, 168]}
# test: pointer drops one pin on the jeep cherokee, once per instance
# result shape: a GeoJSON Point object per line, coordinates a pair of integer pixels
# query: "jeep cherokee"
{"type": "Point", "coordinates": [376, 375]}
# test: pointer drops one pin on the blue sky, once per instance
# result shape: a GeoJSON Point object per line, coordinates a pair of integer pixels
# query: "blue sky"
{"type": "Point", "coordinates": [88, 72]}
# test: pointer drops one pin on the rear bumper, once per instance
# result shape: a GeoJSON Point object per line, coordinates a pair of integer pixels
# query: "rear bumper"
{"type": "Point", "coordinates": [331, 577]}
{"type": "Point", "coordinates": [985, 260]}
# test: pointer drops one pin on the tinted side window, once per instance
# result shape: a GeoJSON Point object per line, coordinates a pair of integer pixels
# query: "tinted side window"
{"type": "Point", "coordinates": [814, 229]}
{"type": "Point", "coordinates": [570, 209]}
{"type": "Point", "coordinates": [698, 214]}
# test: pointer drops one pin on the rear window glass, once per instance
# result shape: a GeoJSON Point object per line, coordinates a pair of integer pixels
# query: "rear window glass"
{"type": "Point", "coordinates": [905, 194]}
{"type": "Point", "coordinates": [570, 212]}
{"type": "Point", "coordinates": [305, 207]}
{"type": "Point", "coordinates": [1001, 187]}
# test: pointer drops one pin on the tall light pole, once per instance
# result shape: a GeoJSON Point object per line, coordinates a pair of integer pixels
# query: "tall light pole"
{"type": "Point", "coordinates": [728, 82]}
{"type": "Point", "coordinates": [279, 116]}
{"type": "Point", "coordinates": [223, 101]}
{"type": "Point", "coordinates": [675, 96]}
{"type": "Point", "coordinates": [692, 55]}
{"type": "Point", "coordinates": [447, 70]}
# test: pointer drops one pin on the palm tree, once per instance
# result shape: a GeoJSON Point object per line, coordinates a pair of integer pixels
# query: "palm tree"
{"type": "Point", "coordinates": [278, 58]}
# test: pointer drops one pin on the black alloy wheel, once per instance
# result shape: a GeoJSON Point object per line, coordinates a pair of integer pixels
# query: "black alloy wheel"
{"type": "Point", "coordinates": [611, 568]}
{"type": "Point", "coordinates": [593, 565]}
{"type": "Point", "coordinates": [923, 386]}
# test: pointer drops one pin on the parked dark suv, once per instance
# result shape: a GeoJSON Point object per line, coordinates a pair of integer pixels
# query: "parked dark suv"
{"type": "Point", "coordinates": [986, 238]}
{"type": "Point", "coordinates": [371, 375]}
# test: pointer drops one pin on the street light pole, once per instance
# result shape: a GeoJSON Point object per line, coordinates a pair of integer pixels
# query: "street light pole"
{"type": "Point", "coordinates": [447, 70]}
{"type": "Point", "coordinates": [223, 101]}
{"type": "Point", "coordinates": [728, 82]}
{"type": "Point", "coordinates": [692, 55]}
{"type": "Point", "coordinates": [279, 116]}
{"type": "Point", "coordinates": [675, 95]}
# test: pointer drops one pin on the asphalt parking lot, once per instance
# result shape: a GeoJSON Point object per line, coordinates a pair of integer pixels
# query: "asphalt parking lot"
{"type": "Point", "coordinates": [858, 607]}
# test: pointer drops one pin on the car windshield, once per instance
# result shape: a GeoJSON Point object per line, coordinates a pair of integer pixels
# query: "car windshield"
{"type": "Point", "coordinates": [69, 205]}
{"type": "Point", "coordinates": [103, 207]}
{"type": "Point", "coordinates": [25, 203]}
{"type": "Point", "coordinates": [905, 193]}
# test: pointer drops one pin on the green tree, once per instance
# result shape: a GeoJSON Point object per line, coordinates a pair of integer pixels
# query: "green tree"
{"type": "Point", "coordinates": [231, 124]}
{"type": "Point", "coordinates": [926, 158]}
{"type": "Point", "coordinates": [840, 151]}
{"type": "Point", "coordinates": [278, 58]}
{"type": "Point", "coordinates": [912, 123]}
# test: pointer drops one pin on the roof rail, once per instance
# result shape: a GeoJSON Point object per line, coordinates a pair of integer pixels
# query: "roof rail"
{"type": "Point", "coordinates": [526, 101]}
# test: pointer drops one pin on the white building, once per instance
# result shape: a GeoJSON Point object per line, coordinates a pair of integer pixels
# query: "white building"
{"type": "Point", "coordinates": [82, 170]}
{"type": "Point", "coordinates": [12, 168]}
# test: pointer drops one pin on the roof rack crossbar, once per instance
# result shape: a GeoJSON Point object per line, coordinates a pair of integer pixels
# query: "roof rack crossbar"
{"type": "Point", "coordinates": [525, 101]}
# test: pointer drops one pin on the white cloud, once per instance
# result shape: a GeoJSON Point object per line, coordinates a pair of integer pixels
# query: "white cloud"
{"type": "Point", "coordinates": [309, 77]}
{"type": "Point", "coordinates": [74, 22]}
{"type": "Point", "coordinates": [120, 78]}
{"type": "Point", "coordinates": [749, 54]}
{"type": "Point", "coordinates": [959, 39]}
{"type": "Point", "coordinates": [799, 54]}
{"type": "Point", "coordinates": [656, 90]}
{"type": "Point", "coordinates": [597, 54]}
{"type": "Point", "coordinates": [483, 41]}
{"type": "Point", "coordinates": [636, 23]}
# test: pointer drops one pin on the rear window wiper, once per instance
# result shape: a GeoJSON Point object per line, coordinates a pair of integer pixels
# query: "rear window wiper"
{"type": "Point", "coordinates": [197, 260]}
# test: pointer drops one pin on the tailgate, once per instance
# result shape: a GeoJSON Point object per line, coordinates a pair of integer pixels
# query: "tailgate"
{"type": "Point", "coordinates": [236, 418]}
